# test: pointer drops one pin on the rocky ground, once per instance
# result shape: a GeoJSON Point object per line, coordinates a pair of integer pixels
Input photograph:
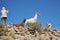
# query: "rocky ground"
{"type": "Point", "coordinates": [14, 33]}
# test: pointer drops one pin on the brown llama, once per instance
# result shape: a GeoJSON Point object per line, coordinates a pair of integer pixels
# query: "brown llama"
{"type": "Point", "coordinates": [20, 25]}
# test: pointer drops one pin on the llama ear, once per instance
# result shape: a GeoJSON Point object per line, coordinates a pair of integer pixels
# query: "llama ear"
{"type": "Point", "coordinates": [24, 20]}
{"type": "Point", "coordinates": [38, 14]}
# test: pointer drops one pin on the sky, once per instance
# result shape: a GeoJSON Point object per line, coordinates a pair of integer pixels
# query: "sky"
{"type": "Point", "coordinates": [24, 9]}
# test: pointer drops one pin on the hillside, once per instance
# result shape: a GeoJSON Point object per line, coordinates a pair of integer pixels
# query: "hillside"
{"type": "Point", "coordinates": [31, 32]}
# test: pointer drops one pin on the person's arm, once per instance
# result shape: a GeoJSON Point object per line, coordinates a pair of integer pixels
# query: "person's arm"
{"type": "Point", "coordinates": [1, 11]}
{"type": "Point", "coordinates": [7, 11]}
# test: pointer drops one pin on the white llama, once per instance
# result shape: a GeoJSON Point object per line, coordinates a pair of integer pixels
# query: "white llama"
{"type": "Point", "coordinates": [32, 20]}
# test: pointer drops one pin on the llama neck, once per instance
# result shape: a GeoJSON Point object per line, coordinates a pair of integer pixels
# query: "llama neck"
{"type": "Point", "coordinates": [35, 17]}
{"type": "Point", "coordinates": [22, 24]}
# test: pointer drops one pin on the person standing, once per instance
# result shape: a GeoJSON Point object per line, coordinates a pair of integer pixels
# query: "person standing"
{"type": "Point", "coordinates": [4, 12]}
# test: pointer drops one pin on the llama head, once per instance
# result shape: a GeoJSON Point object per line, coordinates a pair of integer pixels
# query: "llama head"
{"type": "Point", "coordinates": [24, 20]}
{"type": "Point", "coordinates": [38, 14]}
{"type": "Point", "coordinates": [49, 25]}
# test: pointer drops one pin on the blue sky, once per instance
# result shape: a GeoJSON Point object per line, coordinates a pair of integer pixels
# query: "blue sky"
{"type": "Point", "coordinates": [23, 9]}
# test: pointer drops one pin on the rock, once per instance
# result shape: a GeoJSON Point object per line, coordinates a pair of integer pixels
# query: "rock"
{"type": "Point", "coordinates": [0, 39]}
{"type": "Point", "coordinates": [6, 38]}
{"type": "Point", "coordinates": [19, 37]}
{"type": "Point", "coordinates": [27, 37]}
{"type": "Point", "coordinates": [44, 36]}
{"type": "Point", "coordinates": [16, 39]}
